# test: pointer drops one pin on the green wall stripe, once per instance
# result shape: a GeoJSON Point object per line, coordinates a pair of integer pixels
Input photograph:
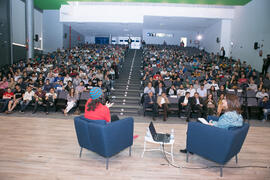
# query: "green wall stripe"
{"type": "Point", "coordinates": [56, 4]}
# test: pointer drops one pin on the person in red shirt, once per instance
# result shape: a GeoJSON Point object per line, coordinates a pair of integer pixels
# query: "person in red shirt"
{"type": "Point", "coordinates": [95, 110]}
{"type": "Point", "coordinates": [7, 96]}
{"type": "Point", "coordinates": [243, 79]}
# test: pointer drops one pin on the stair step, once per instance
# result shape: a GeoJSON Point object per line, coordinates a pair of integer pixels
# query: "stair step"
{"type": "Point", "coordinates": [125, 84]}
{"type": "Point", "coordinates": [121, 106]}
{"type": "Point", "coordinates": [127, 97]}
{"type": "Point", "coordinates": [112, 110]}
{"type": "Point", "coordinates": [127, 102]}
{"type": "Point", "coordinates": [124, 90]}
{"type": "Point", "coordinates": [117, 93]}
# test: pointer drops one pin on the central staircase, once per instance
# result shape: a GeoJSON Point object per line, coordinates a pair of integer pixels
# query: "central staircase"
{"type": "Point", "coordinates": [126, 96]}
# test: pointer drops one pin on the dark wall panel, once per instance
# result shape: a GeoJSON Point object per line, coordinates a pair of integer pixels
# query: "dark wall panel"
{"type": "Point", "coordinates": [4, 32]}
{"type": "Point", "coordinates": [19, 53]}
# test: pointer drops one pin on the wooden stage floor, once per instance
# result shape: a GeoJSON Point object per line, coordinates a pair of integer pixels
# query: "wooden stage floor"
{"type": "Point", "coordinates": [47, 148]}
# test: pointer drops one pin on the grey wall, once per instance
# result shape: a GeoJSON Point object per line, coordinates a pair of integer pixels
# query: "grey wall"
{"type": "Point", "coordinates": [4, 32]}
{"type": "Point", "coordinates": [52, 31]}
{"type": "Point", "coordinates": [175, 40]}
{"type": "Point", "coordinates": [74, 37]}
{"type": "Point", "coordinates": [251, 24]}
{"type": "Point", "coordinates": [18, 23]}
{"type": "Point", "coordinates": [209, 37]}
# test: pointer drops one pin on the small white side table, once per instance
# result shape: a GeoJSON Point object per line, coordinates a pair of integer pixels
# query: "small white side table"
{"type": "Point", "coordinates": [150, 140]}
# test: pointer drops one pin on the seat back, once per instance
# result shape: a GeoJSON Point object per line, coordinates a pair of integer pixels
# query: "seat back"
{"type": "Point", "coordinates": [213, 143]}
{"type": "Point", "coordinates": [62, 95]}
{"type": "Point", "coordinates": [81, 127]}
{"type": "Point", "coordinates": [84, 95]}
{"type": "Point", "coordinates": [102, 138]}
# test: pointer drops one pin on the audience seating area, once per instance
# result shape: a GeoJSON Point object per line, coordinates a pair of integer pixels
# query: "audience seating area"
{"type": "Point", "coordinates": [64, 78]}
{"type": "Point", "coordinates": [180, 70]}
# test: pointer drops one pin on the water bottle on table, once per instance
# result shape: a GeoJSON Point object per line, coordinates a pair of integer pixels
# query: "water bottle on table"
{"type": "Point", "coordinates": [172, 134]}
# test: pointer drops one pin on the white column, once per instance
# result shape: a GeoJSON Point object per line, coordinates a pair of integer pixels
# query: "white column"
{"type": "Point", "coordinates": [225, 38]}
{"type": "Point", "coordinates": [29, 16]}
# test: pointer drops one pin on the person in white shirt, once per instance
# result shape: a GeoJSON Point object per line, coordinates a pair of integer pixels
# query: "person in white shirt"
{"type": "Point", "coordinates": [252, 86]}
{"type": "Point", "coordinates": [50, 98]}
{"type": "Point", "coordinates": [202, 91]}
{"type": "Point", "coordinates": [163, 102]}
{"type": "Point", "coordinates": [67, 78]}
{"type": "Point", "coordinates": [207, 85]}
{"type": "Point", "coordinates": [215, 85]}
{"type": "Point", "coordinates": [181, 91]}
{"type": "Point", "coordinates": [163, 72]}
{"type": "Point", "coordinates": [172, 91]}
{"type": "Point", "coordinates": [184, 104]}
{"type": "Point", "coordinates": [27, 98]}
{"type": "Point", "coordinates": [196, 85]}
{"type": "Point", "coordinates": [191, 90]}
{"type": "Point", "coordinates": [261, 94]}
{"type": "Point", "coordinates": [149, 88]}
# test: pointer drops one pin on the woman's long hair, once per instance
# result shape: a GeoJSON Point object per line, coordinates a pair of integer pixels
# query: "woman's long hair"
{"type": "Point", "coordinates": [94, 103]}
{"type": "Point", "coordinates": [233, 103]}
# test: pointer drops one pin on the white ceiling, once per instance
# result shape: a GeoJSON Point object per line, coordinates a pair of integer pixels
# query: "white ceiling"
{"type": "Point", "coordinates": [150, 22]}
{"type": "Point", "coordinates": [177, 23]}
{"type": "Point", "coordinates": [105, 29]}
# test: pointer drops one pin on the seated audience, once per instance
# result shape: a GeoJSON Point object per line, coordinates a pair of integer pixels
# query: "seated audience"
{"type": "Point", "coordinates": [50, 98]}
{"type": "Point", "coordinates": [202, 91]}
{"type": "Point", "coordinates": [163, 102]}
{"type": "Point", "coordinates": [252, 86]}
{"type": "Point", "coordinates": [265, 105]}
{"type": "Point", "coordinates": [172, 91]}
{"type": "Point", "coordinates": [28, 98]}
{"type": "Point", "coordinates": [210, 105]}
{"type": "Point", "coordinates": [261, 94]}
{"type": "Point", "coordinates": [149, 88]}
{"type": "Point", "coordinates": [160, 89]}
{"type": "Point", "coordinates": [196, 104]}
{"type": "Point", "coordinates": [72, 98]}
{"type": "Point", "coordinates": [184, 104]}
{"type": "Point", "coordinates": [39, 99]}
{"type": "Point", "coordinates": [181, 91]}
{"type": "Point", "coordinates": [18, 97]}
{"type": "Point", "coordinates": [7, 96]}
{"type": "Point", "coordinates": [150, 101]}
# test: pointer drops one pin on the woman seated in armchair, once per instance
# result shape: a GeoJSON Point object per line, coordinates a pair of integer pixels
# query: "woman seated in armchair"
{"type": "Point", "coordinates": [231, 118]}
{"type": "Point", "coordinates": [232, 114]}
{"type": "Point", "coordinates": [95, 110]}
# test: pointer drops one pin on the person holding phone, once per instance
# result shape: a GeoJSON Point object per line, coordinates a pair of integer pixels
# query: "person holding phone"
{"type": "Point", "coordinates": [95, 110]}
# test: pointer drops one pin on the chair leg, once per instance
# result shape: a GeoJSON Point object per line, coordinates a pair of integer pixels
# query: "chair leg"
{"type": "Point", "coordinates": [187, 156]}
{"type": "Point", "coordinates": [236, 159]}
{"type": "Point", "coordinates": [221, 171]}
{"type": "Point", "coordinates": [81, 152]}
{"type": "Point", "coordinates": [130, 151]}
{"type": "Point", "coordinates": [107, 163]}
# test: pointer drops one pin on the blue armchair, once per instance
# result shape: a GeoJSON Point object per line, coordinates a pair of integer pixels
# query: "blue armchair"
{"type": "Point", "coordinates": [215, 144]}
{"type": "Point", "coordinates": [102, 138]}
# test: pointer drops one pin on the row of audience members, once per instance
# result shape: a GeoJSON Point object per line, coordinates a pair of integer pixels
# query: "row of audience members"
{"type": "Point", "coordinates": [189, 74]}
{"type": "Point", "coordinates": [38, 81]}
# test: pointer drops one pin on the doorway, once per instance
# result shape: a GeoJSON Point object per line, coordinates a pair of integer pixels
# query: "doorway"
{"type": "Point", "coordinates": [183, 42]}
